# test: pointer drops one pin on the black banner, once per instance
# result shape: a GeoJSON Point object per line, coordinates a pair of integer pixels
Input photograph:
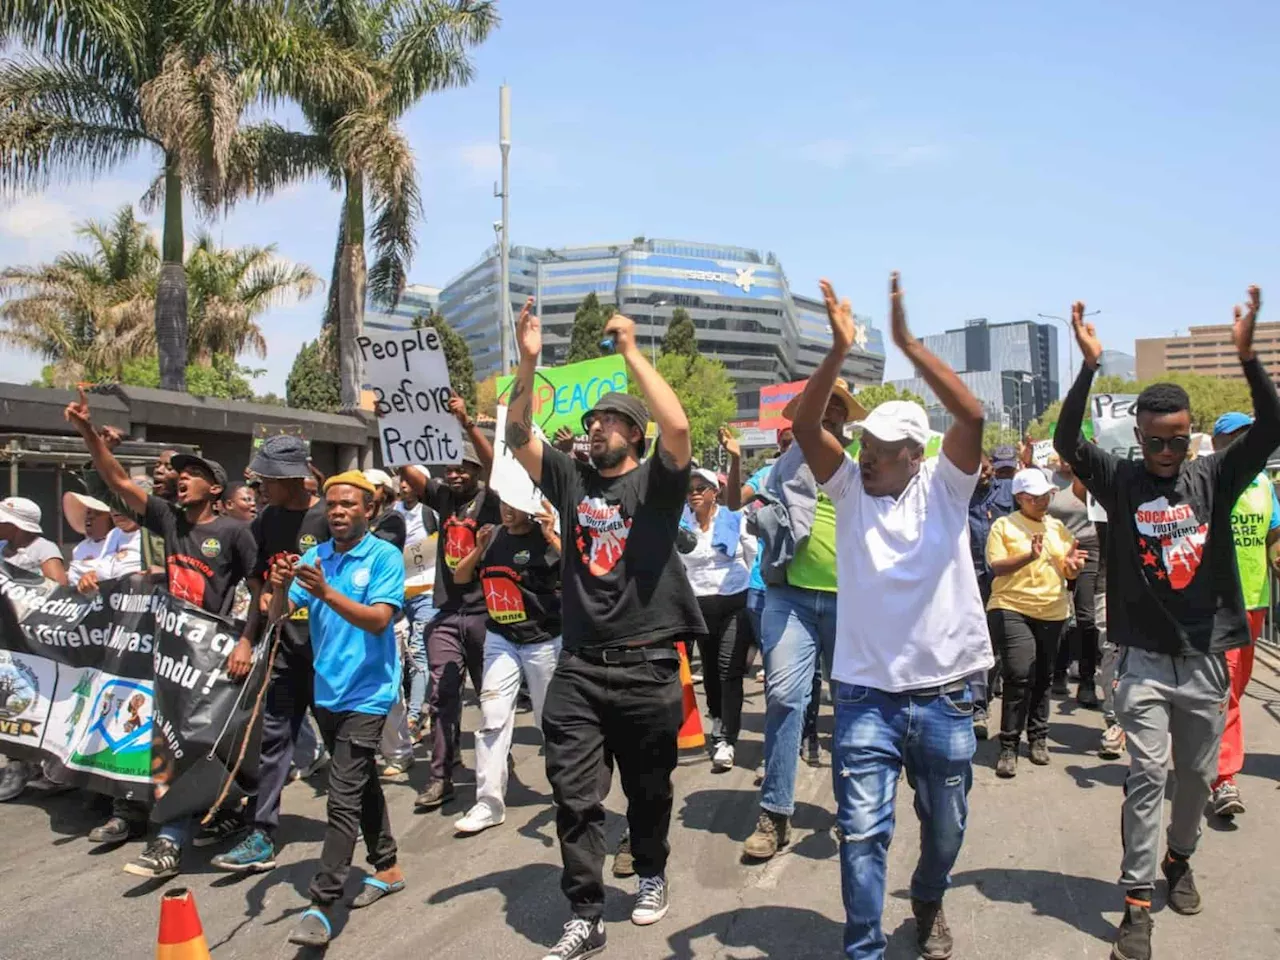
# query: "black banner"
{"type": "Point", "coordinates": [125, 692]}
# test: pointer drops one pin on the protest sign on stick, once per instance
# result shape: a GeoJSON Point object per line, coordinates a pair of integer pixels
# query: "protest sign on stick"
{"type": "Point", "coordinates": [561, 395]}
{"type": "Point", "coordinates": [409, 378]}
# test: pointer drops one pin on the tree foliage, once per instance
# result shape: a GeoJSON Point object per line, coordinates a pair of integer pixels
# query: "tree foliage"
{"type": "Point", "coordinates": [681, 337]}
{"type": "Point", "coordinates": [222, 377]}
{"type": "Point", "coordinates": [487, 396]}
{"type": "Point", "coordinates": [311, 384]}
{"type": "Point", "coordinates": [994, 435]}
{"type": "Point", "coordinates": [876, 394]}
{"type": "Point", "coordinates": [705, 392]}
{"type": "Point", "coordinates": [588, 329]}
{"type": "Point", "coordinates": [462, 373]}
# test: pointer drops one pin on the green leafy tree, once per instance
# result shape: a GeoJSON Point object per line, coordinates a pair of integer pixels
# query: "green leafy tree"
{"type": "Point", "coordinates": [681, 337]}
{"type": "Point", "coordinates": [107, 79]}
{"type": "Point", "coordinates": [222, 378]}
{"type": "Point", "coordinates": [878, 393]}
{"type": "Point", "coordinates": [706, 393]}
{"type": "Point", "coordinates": [588, 329]}
{"type": "Point", "coordinates": [462, 372]}
{"type": "Point", "coordinates": [405, 50]}
{"type": "Point", "coordinates": [994, 435]}
{"type": "Point", "coordinates": [311, 384]}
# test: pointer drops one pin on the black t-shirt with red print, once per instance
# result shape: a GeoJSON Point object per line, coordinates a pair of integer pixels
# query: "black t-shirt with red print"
{"type": "Point", "coordinates": [459, 520]}
{"type": "Point", "coordinates": [1172, 582]}
{"type": "Point", "coordinates": [623, 582]}
{"type": "Point", "coordinates": [204, 561]}
{"type": "Point", "coordinates": [520, 574]}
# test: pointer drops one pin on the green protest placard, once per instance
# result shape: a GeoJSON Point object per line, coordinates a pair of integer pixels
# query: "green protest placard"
{"type": "Point", "coordinates": [561, 395]}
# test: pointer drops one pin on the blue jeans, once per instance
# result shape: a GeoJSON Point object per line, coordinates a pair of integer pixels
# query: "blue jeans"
{"type": "Point", "coordinates": [419, 610]}
{"type": "Point", "coordinates": [797, 625]}
{"type": "Point", "coordinates": [876, 734]}
{"type": "Point", "coordinates": [755, 611]}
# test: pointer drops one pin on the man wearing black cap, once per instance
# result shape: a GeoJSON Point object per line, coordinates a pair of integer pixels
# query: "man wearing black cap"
{"type": "Point", "coordinates": [455, 638]}
{"type": "Point", "coordinates": [206, 556]}
{"type": "Point", "coordinates": [291, 524]}
{"type": "Point", "coordinates": [626, 601]}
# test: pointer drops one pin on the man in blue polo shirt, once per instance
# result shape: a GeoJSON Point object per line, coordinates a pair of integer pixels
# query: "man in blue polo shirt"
{"type": "Point", "coordinates": [352, 586]}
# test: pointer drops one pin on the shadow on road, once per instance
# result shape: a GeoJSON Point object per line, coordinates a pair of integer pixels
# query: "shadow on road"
{"type": "Point", "coordinates": [774, 933]}
{"type": "Point", "coordinates": [1078, 902]}
{"type": "Point", "coordinates": [733, 814]}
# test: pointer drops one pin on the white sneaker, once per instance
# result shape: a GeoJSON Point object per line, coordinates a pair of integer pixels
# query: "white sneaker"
{"type": "Point", "coordinates": [651, 902]}
{"type": "Point", "coordinates": [722, 759]}
{"type": "Point", "coordinates": [478, 818]}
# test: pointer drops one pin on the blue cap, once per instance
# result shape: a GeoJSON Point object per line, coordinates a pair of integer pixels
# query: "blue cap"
{"type": "Point", "coordinates": [1231, 423]}
{"type": "Point", "coordinates": [1004, 456]}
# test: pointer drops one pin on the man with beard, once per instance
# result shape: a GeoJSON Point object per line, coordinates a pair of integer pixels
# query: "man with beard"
{"type": "Point", "coordinates": [455, 638]}
{"type": "Point", "coordinates": [625, 603]}
{"type": "Point", "coordinates": [352, 587]}
{"type": "Point", "coordinates": [292, 523]}
{"type": "Point", "coordinates": [206, 556]}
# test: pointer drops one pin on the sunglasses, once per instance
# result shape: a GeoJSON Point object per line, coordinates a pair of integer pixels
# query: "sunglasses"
{"type": "Point", "coordinates": [1178, 444]}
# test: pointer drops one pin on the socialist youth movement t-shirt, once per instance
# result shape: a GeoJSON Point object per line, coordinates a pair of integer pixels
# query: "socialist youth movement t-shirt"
{"type": "Point", "coordinates": [908, 613]}
{"type": "Point", "coordinates": [460, 518]}
{"type": "Point", "coordinates": [520, 574]}
{"type": "Point", "coordinates": [356, 671]}
{"type": "Point", "coordinates": [278, 531]}
{"type": "Point", "coordinates": [624, 584]}
{"type": "Point", "coordinates": [204, 561]}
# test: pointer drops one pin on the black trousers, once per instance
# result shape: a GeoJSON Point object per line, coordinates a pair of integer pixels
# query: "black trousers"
{"type": "Point", "coordinates": [455, 643]}
{"type": "Point", "coordinates": [288, 698]}
{"type": "Point", "coordinates": [595, 713]}
{"type": "Point", "coordinates": [355, 801]}
{"type": "Point", "coordinates": [1027, 650]}
{"type": "Point", "coordinates": [724, 653]}
{"type": "Point", "coordinates": [1081, 641]}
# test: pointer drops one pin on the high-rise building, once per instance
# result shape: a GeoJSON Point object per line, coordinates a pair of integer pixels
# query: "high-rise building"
{"type": "Point", "coordinates": [1209, 350]}
{"type": "Point", "coordinates": [1116, 363]}
{"type": "Point", "coordinates": [416, 300]}
{"type": "Point", "coordinates": [741, 306]}
{"type": "Point", "coordinates": [1012, 368]}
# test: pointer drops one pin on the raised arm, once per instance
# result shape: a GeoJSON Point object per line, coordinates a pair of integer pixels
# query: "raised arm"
{"type": "Point", "coordinates": [664, 405]}
{"type": "Point", "coordinates": [1094, 466]}
{"type": "Point", "coordinates": [821, 450]}
{"type": "Point", "coordinates": [733, 492]}
{"type": "Point", "coordinates": [1247, 457]}
{"type": "Point", "coordinates": [962, 443]}
{"type": "Point", "coordinates": [109, 469]}
{"type": "Point", "coordinates": [524, 444]}
{"type": "Point", "coordinates": [484, 449]}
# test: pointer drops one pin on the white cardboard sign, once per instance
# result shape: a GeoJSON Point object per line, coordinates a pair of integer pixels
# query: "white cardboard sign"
{"type": "Point", "coordinates": [1113, 425]}
{"type": "Point", "coordinates": [409, 378]}
{"type": "Point", "coordinates": [508, 479]}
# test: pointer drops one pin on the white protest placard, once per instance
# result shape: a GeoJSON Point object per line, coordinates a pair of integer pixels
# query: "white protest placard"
{"type": "Point", "coordinates": [508, 479]}
{"type": "Point", "coordinates": [409, 378]}
{"type": "Point", "coordinates": [1114, 423]}
{"type": "Point", "coordinates": [1041, 451]}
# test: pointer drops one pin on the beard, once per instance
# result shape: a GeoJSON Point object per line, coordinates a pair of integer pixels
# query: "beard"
{"type": "Point", "coordinates": [610, 458]}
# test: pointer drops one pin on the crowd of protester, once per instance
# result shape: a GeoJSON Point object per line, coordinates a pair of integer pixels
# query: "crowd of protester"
{"type": "Point", "coordinates": [922, 588]}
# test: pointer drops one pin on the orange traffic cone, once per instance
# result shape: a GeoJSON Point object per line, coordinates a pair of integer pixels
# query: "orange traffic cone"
{"type": "Point", "coordinates": [181, 937]}
{"type": "Point", "coordinates": [691, 734]}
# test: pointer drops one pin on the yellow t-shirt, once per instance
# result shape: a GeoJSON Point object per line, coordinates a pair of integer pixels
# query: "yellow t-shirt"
{"type": "Point", "coordinates": [1038, 589]}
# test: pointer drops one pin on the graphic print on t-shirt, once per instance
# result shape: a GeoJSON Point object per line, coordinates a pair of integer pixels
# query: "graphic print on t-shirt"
{"type": "Point", "coordinates": [503, 599]}
{"type": "Point", "coordinates": [188, 578]}
{"type": "Point", "coordinates": [460, 540]}
{"type": "Point", "coordinates": [602, 534]}
{"type": "Point", "coordinates": [1177, 534]}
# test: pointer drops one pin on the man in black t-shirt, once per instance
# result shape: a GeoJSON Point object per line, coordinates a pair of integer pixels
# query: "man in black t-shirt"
{"type": "Point", "coordinates": [206, 557]}
{"type": "Point", "coordinates": [291, 524]}
{"type": "Point", "coordinates": [626, 601]}
{"type": "Point", "coordinates": [1174, 604]}
{"type": "Point", "coordinates": [455, 637]}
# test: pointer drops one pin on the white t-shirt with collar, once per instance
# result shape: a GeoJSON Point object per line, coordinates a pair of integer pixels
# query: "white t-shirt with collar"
{"type": "Point", "coordinates": [908, 613]}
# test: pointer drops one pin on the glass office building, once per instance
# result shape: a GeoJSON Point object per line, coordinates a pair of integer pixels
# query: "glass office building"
{"type": "Point", "coordinates": [741, 306]}
{"type": "Point", "coordinates": [414, 302]}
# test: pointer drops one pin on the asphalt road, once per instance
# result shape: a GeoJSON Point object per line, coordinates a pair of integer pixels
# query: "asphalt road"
{"type": "Point", "coordinates": [1036, 878]}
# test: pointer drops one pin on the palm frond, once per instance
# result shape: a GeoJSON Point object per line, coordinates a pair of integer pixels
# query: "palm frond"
{"type": "Point", "coordinates": [31, 85]}
{"type": "Point", "coordinates": [104, 37]}
{"type": "Point", "coordinates": [430, 49]}
{"type": "Point", "coordinates": [266, 157]}
{"type": "Point", "coordinates": [35, 147]}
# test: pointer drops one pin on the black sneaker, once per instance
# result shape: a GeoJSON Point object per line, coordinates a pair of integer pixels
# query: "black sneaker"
{"type": "Point", "coordinates": [116, 830]}
{"type": "Point", "coordinates": [1133, 939]}
{"type": "Point", "coordinates": [582, 938]}
{"type": "Point", "coordinates": [437, 794]}
{"type": "Point", "coordinates": [1007, 765]}
{"type": "Point", "coordinates": [980, 723]}
{"type": "Point", "coordinates": [624, 864]}
{"type": "Point", "coordinates": [1059, 686]}
{"type": "Point", "coordinates": [1087, 696]}
{"type": "Point", "coordinates": [1184, 898]}
{"type": "Point", "coordinates": [933, 936]}
{"type": "Point", "coordinates": [161, 858]}
{"type": "Point", "coordinates": [813, 752]}
{"type": "Point", "coordinates": [225, 825]}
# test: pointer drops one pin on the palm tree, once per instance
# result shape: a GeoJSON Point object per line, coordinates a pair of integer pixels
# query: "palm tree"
{"type": "Point", "coordinates": [106, 79]}
{"type": "Point", "coordinates": [407, 49]}
{"type": "Point", "coordinates": [86, 314]}
{"type": "Point", "coordinates": [232, 287]}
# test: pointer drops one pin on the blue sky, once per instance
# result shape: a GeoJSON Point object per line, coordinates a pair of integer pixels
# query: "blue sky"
{"type": "Point", "coordinates": [1007, 157]}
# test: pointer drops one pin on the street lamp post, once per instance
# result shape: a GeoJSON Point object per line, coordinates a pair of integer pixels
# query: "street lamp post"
{"type": "Point", "coordinates": [1019, 379]}
{"type": "Point", "coordinates": [653, 330]}
{"type": "Point", "coordinates": [1071, 336]}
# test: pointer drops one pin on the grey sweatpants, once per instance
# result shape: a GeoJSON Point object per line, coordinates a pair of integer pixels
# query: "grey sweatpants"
{"type": "Point", "coordinates": [1163, 700]}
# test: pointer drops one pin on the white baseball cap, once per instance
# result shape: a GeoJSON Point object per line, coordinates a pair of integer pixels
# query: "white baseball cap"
{"type": "Point", "coordinates": [896, 420]}
{"type": "Point", "coordinates": [709, 476]}
{"type": "Point", "coordinates": [1033, 482]}
{"type": "Point", "coordinates": [22, 513]}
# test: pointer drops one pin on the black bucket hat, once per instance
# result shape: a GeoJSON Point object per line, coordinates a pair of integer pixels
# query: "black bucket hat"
{"type": "Point", "coordinates": [282, 457]}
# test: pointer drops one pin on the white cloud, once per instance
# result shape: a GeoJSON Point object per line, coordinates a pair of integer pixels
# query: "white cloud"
{"type": "Point", "coordinates": [38, 226]}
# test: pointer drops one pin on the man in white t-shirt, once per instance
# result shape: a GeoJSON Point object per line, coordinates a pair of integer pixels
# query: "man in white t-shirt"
{"type": "Point", "coordinates": [909, 630]}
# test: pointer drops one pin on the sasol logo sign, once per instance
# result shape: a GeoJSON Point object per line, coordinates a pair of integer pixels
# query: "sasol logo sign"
{"type": "Point", "coordinates": [745, 279]}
